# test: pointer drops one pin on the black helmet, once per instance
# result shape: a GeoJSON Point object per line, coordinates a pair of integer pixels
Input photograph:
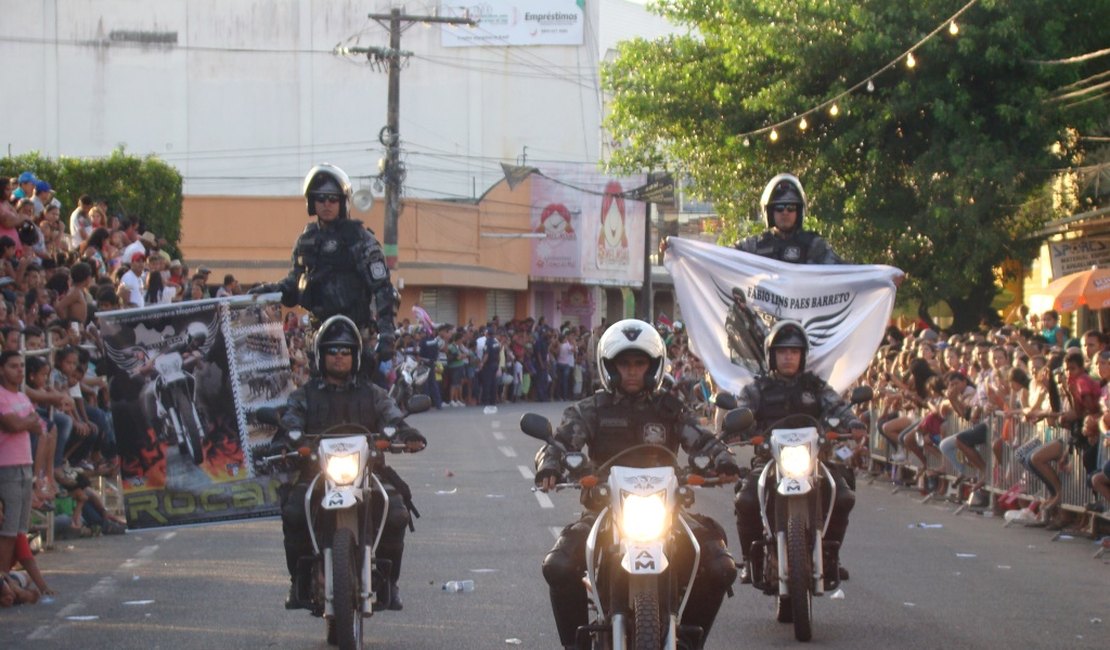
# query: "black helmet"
{"type": "Point", "coordinates": [784, 188]}
{"type": "Point", "coordinates": [326, 178]}
{"type": "Point", "coordinates": [786, 334]}
{"type": "Point", "coordinates": [339, 331]}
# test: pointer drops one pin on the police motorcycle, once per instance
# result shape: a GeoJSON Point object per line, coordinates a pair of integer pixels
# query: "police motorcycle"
{"type": "Point", "coordinates": [344, 581]}
{"type": "Point", "coordinates": [180, 421]}
{"type": "Point", "coordinates": [795, 459]}
{"type": "Point", "coordinates": [635, 603]}
{"type": "Point", "coordinates": [412, 374]}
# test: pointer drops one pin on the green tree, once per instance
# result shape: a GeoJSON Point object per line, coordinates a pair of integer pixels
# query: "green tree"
{"type": "Point", "coordinates": [147, 189]}
{"type": "Point", "coordinates": [943, 169]}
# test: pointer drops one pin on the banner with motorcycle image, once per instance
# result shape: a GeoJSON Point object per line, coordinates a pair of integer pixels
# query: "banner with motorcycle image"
{"type": "Point", "coordinates": [730, 299]}
{"type": "Point", "coordinates": [184, 381]}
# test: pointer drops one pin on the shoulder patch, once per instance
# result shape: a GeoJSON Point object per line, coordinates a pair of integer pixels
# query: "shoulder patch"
{"type": "Point", "coordinates": [378, 270]}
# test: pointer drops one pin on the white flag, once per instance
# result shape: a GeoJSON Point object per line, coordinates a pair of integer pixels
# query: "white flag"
{"type": "Point", "coordinates": [845, 309]}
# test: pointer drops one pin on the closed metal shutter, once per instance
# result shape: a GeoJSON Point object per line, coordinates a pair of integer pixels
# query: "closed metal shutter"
{"type": "Point", "coordinates": [442, 305]}
{"type": "Point", "coordinates": [500, 303]}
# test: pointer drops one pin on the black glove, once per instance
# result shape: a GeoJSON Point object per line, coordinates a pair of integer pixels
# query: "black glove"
{"type": "Point", "coordinates": [409, 435]}
{"type": "Point", "coordinates": [547, 472]}
{"type": "Point", "coordinates": [727, 467]}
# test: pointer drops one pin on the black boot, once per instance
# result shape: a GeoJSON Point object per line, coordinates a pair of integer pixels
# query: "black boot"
{"type": "Point", "coordinates": [746, 572]}
{"type": "Point", "coordinates": [395, 598]}
{"type": "Point", "coordinates": [834, 573]}
{"type": "Point", "coordinates": [292, 601]}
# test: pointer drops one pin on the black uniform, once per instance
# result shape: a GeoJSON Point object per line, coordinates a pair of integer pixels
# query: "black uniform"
{"type": "Point", "coordinates": [339, 268]}
{"type": "Point", "coordinates": [313, 408]}
{"type": "Point", "coordinates": [799, 247]}
{"type": "Point", "coordinates": [772, 397]}
{"type": "Point", "coordinates": [607, 424]}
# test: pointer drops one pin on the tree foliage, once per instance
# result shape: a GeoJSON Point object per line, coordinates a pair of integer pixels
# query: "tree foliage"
{"type": "Point", "coordinates": [943, 170]}
{"type": "Point", "coordinates": [146, 189]}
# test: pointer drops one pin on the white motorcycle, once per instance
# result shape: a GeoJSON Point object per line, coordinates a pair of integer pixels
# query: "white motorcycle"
{"type": "Point", "coordinates": [635, 603]}
{"type": "Point", "coordinates": [791, 503]}
{"type": "Point", "coordinates": [412, 373]}
{"type": "Point", "coordinates": [174, 392]}
{"type": "Point", "coordinates": [344, 579]}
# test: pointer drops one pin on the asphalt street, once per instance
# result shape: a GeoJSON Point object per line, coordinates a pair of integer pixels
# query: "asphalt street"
{"type": "Point", "coordinates": [968, 582]}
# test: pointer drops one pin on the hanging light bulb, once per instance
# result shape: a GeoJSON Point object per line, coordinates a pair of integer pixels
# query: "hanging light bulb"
{"type": "Point", "coordinates": [833, 110]}
{"type": "Point", "coordinates": [911, 62]}
{"type": "Point", "coordinates": [803, 125]}
{"type": "Point", "coordinates": [870, 86]}
{"type": "Point", "coordinates": [774, 135]}
{"type": "Point", "coordinates": [747, 142]}
{"type": "Point", "coordinates": [953, 28]}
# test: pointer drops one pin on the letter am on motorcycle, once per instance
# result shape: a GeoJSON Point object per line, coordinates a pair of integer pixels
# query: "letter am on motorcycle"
{"type": "Point", "coordinates": [636, 599]}
{"type": "Point", "coordinates": [344, 579]}
{"type": "Point", "coordinates": [788, 561]}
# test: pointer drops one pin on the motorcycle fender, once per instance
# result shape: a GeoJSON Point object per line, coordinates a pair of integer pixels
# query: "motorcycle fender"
{"type": "Point", "coordinates": [644, 559]}
{"type": "Point", "coordinates": [341, 498]}
{"type": "Point", "coordinates": [793, 486]}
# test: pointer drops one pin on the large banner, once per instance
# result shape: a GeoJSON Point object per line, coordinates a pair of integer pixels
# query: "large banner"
{"type": "Point", "coordinates": [593, 234]}
{"type": "Point", "coordinates": [184, 381]}
{"type": "Point", "coordinates": [729, 299]}
{"type": "Point", "coordinates": [515, 22]}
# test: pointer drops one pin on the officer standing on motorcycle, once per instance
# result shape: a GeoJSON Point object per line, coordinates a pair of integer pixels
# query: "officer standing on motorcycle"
{"type": "Point", "coordinates": [784, 204]}
{"type": "Point", "coordinates": [788, 389]}
{"type": "Point", "coordinates": [338, 395]}
{"type": "Point", "coordinates": [339, 266]}
{"type": "Point", "coordinates": [630, 411]}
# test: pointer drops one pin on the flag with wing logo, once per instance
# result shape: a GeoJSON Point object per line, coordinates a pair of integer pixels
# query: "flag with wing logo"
{"type": "Point", "coordinates": [729, 299]}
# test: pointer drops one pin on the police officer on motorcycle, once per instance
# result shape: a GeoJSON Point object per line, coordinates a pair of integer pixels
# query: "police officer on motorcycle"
{"type": "Point", "coordinates": [338, 265]}
{"type": "Point", "coordinates": [338, 395]}
{"type": "Point", "coordinates": [784, 204]}
{"type": "Point", "coordinates": [630, 411]}
{"type": "Point", "coordinates": [788, 389]}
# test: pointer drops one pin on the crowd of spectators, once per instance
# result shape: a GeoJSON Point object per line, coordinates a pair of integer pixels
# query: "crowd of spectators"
{"type": "Point", "coordinates": [1020, 374]}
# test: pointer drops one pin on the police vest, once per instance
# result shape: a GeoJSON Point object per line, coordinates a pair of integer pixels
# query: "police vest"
{"type": "Point", "coordinates": [618, 426]}
{"type": "Point", "coordinates": [327, 407]}
{"type": "Point", "coordinates": [794, 248]}
{"type": "Point", "coordinates": [780, 398]}
{"type": "Point", "coordinates": [332, 283]}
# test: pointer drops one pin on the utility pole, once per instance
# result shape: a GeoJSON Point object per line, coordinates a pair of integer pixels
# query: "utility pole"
{"type": "Point", "coordinates": [392, 171]}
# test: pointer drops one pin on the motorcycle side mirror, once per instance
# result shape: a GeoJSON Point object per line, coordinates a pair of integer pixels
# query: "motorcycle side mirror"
{"type": "Point", "coordinates": [537, 426]}
{"type": "Point", "coordinates": [725, 401]}
{"type": "Point", "coordinates": [418, 404]}
{"type": "Point", "coordinates": [737, 421]}
{"type": "Point", "coordinates": [862, 394]}
{"type": "Point", "coordinates": [267, 415]}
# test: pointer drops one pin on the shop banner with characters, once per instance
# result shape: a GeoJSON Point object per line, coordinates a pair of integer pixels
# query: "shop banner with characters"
{"type": "Point", "coordinates": [730, 299]}
{"type": "Point", "coordinates": [593, 234]}
{"type": "Point", "coordinates": [184, 381]}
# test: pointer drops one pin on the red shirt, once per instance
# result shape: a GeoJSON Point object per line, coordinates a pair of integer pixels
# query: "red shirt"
{"type": "Point", "coordinates": [1085, 393]}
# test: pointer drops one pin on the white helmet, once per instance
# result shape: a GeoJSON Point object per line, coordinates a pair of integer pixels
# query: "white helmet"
{"type": "Point", "coordinates": [784, 188]}
{"type": "Point", "coordinates": [625, 335]}
{"type": "Point", "coordinates": [327, 178]}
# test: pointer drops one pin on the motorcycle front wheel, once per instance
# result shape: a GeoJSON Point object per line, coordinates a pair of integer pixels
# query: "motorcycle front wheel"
{"type": "Point", "coordinates": [347, 623]}
{"type": "Point", "coordinates": [646, 622]}
{"type": "Point", "coordinates": [187, 416]}
{"type": "Point", "coordinates": [799, 569]}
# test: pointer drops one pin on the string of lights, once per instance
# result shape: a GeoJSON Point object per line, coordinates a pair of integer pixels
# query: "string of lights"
{"type": "Point", "coordinates": [831, 105]}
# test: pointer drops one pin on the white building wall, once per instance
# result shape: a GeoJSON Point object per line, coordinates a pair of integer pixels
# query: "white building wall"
{"type": "Point", "coordinates": [250, 95]}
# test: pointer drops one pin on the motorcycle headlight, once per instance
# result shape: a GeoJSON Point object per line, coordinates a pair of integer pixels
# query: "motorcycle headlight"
{"type": "Point", "coordinates": [644, 518]}
{"type": "Point", "coordinates": [343, 470]}
{"type": "Point", "coordinates": [795, 461]}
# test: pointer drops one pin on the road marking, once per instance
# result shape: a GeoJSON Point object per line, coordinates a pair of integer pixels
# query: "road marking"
{"type": "Point", "coordinates": [497, 435]}
{"type": "Point", "coordinates": [147, 551]}
{"type": "Point", "coordinates": [525, 472]}
{"type": "Point", "coordinates": [167, 536]}
{"type": "Point", "coordinates": [545, 501]}
{"type": "Point", "coordinates": [556, 531]}
{"type": "Point", "coordinates": [508, 451]}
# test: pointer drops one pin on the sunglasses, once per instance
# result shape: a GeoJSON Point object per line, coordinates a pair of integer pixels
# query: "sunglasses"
{"type": "Point", "coordinates": [340, 352]}
{"type": "Point", "coordinates": [327, 198]}
{"type": "Point", "coordinates": [785, 207]}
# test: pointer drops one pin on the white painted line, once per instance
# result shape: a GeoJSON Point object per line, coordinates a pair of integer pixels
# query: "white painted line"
{"type": "Point", "coordinates": [525, 472]}
{"type": "Point", "coordinates": [508, 451]}
{"type": "Point", "coordinates": [104, 586]}
{"type": "Point", "coordinates": [167, 536]}
{"type": "Point", "coordinates": [44, 632]}
{"type": "Point", "coordinates": [70, 608]}
{"type": "Point", "coordinates": [497, 435]}
{"type": "Point", "coordinates": [147, 551]}
{"type": "Point", "coordinates": [556, 531]}
{"type": "Point", "coordinates": [545, 501]}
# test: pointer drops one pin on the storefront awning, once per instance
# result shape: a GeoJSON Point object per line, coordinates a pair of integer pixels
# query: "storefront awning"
{"type": "Point", "coordinates": [440, 274]}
